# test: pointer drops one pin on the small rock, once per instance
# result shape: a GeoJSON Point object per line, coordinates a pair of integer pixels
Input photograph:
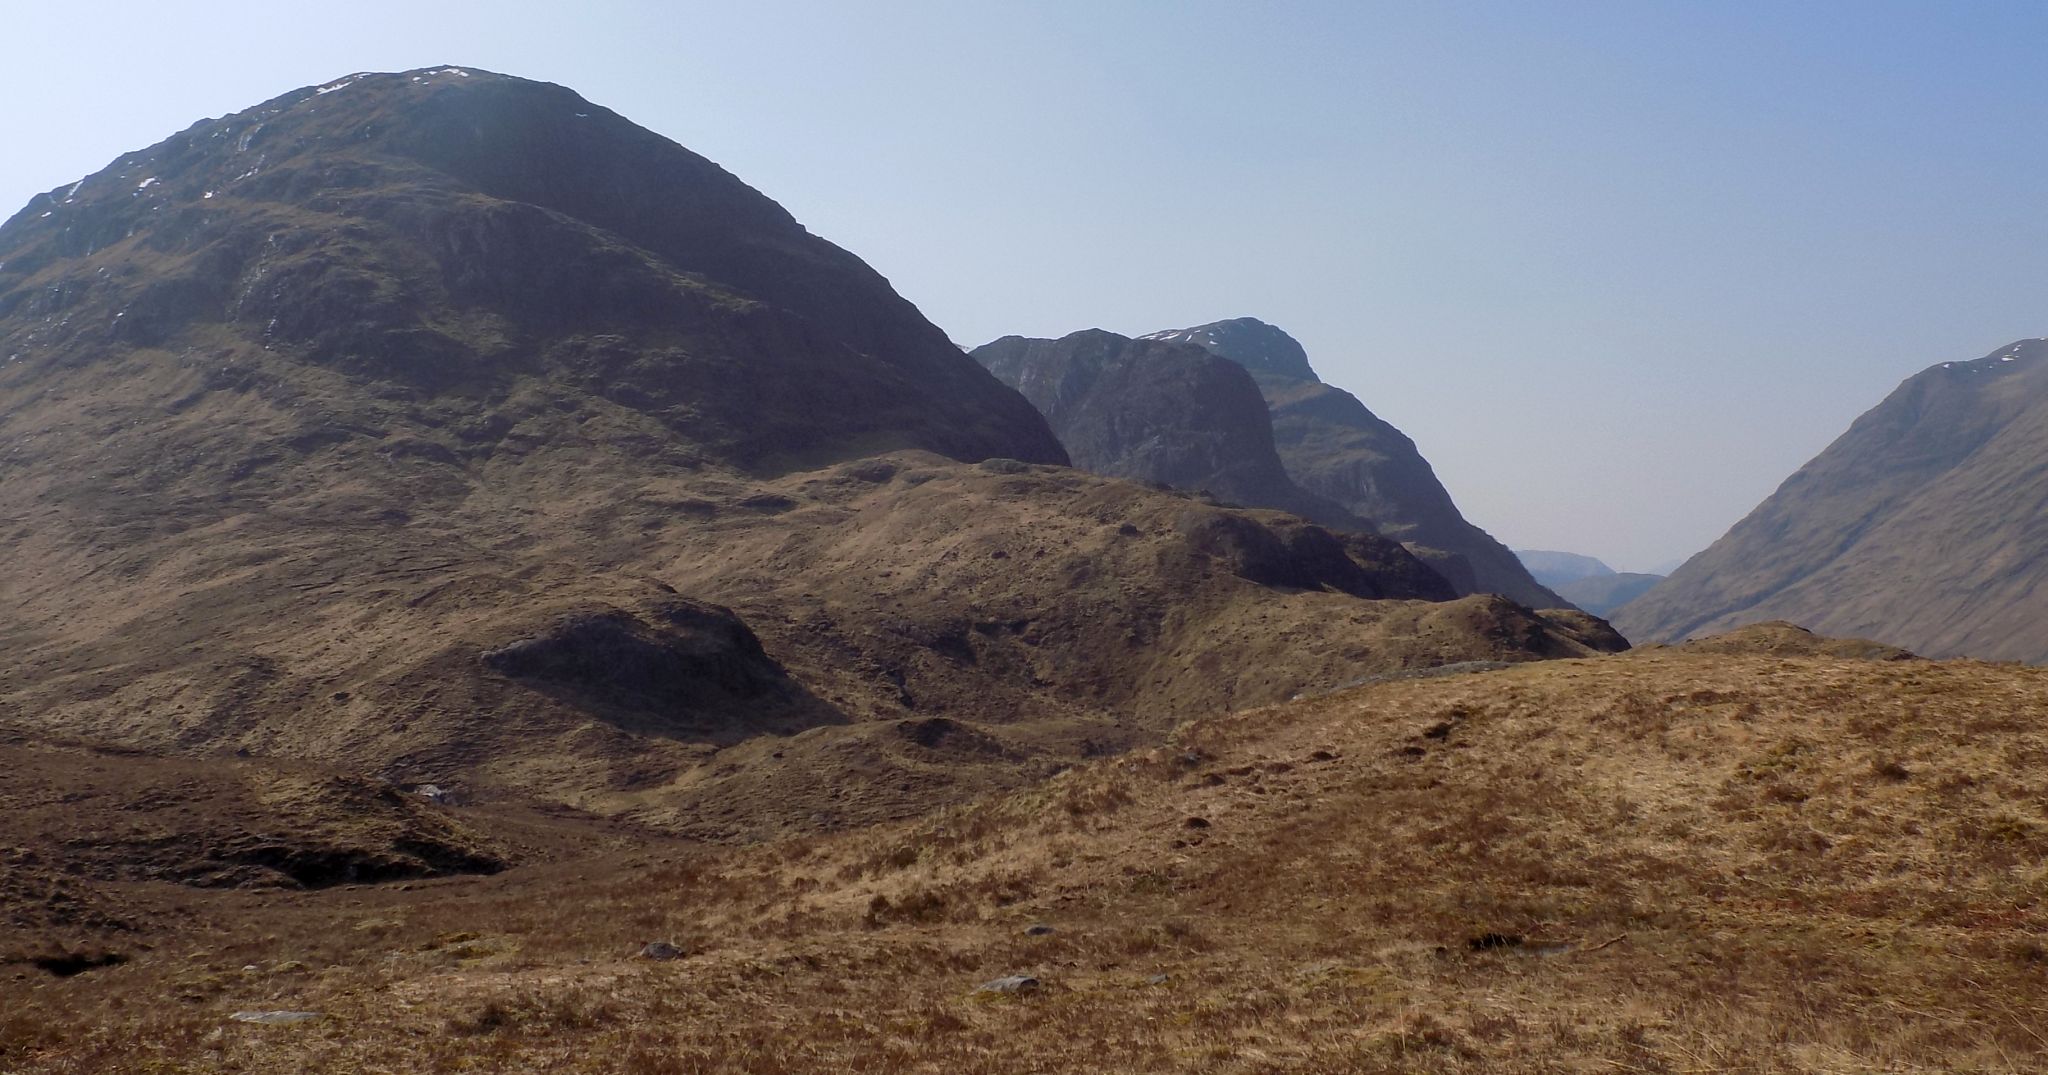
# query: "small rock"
{"type": "Point", "coordinates": [1015, 983]}
{"type": "Point", "coordinates": [1159, 979]}
{"type": "Point", "coordinates": [279, 1018]}
{"type": "Point", "coordinates": [660, 950]}
{"type": "Point", "coordinates": [1039, 929]}
{"type": "Point", "coordinates": [438, 795]}
{"type": "Point", "coordinates": [1195, 823]}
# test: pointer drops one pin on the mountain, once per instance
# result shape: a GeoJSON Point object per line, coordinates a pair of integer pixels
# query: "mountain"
{"type": "Point", "coordinates": [1336, 448]}
{"type": "Point", "coordinates": [1554, 569]}
{"type": "Point", "coordinates": [1157, 411]}
{"type": "Point", "coordinates": [1602, 594]}
{"type": "Point", "coordinates": [445, 428]}
{"type": "Point", "coordinates": [452, 231]}
{"type": "Point", "coordinates": [1924, 526]}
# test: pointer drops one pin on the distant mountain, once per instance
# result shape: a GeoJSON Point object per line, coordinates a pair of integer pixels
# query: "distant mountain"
{"type": "Point", "coordinates": [1555, 569]}
{"type": "Point", "coordinates": [1923, 526]}
{"type": "Point", "coordinates": [1158, 411]}
{"type": "Point", "coordinates": [1584, 580]}
{"type": "Point", "coordinates": [1602, 594]}
{"type": "Point", "coordinates": [1334, 447]}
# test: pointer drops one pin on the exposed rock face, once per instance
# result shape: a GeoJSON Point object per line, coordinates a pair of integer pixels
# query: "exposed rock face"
{"type": "Point", "coordinates": [1924, 526]}
{"type": "Point", "coordinates": [446, 427]}
{"type": "Point", "coordinates": [1335, 448]}
{"type": "Point", "coordinates": [1157, 411]}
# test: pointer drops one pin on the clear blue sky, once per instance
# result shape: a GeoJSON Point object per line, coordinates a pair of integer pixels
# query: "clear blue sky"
{"type": "Point", "coordinates": [1618, 268]}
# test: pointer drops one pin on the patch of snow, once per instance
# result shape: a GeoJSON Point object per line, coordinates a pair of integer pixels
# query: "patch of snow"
{"type": "Point", "coordinates": [208, 194]}
{"type": "Point", "coordinates": [73, 192]}
{"type": "Point", "coordinates": [146, 184]}
{"type": "Point", "coordinates": [2007, 358]}
{"type": "Point", "coordinates": [1948, 365]}
{"type": "Point", "coordinates": [332, 86]}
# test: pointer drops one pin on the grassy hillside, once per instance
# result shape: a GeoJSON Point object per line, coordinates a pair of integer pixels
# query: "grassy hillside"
{"type": "Point", "coordinates": [1668, 861]}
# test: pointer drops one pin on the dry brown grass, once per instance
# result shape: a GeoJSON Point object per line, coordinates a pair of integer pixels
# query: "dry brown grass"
{"type": "Point", "coordinates": [1802, 865]}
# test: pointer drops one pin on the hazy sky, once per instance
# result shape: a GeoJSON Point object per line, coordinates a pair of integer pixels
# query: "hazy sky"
{"type": "Point", "coordinates": [1618, 268]}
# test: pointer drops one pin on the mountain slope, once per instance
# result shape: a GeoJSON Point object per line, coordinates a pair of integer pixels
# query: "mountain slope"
{"type": "Point", "coordinates": [446, 428]}
{"type": "Point", "coordinates": [1160, 412]}
{"type": "Point", "coordinates": [1925, 526]}
{"type": "Point", "coordinates": [1334, 447]}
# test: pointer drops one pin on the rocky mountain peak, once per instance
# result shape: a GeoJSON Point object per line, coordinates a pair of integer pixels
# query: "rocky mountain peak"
{"type": "Point", "coordinates": [1257, 346]}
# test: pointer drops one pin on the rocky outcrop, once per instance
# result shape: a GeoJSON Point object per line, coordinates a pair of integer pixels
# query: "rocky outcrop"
{"type": "Point", "coordinates": [681, 668]}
